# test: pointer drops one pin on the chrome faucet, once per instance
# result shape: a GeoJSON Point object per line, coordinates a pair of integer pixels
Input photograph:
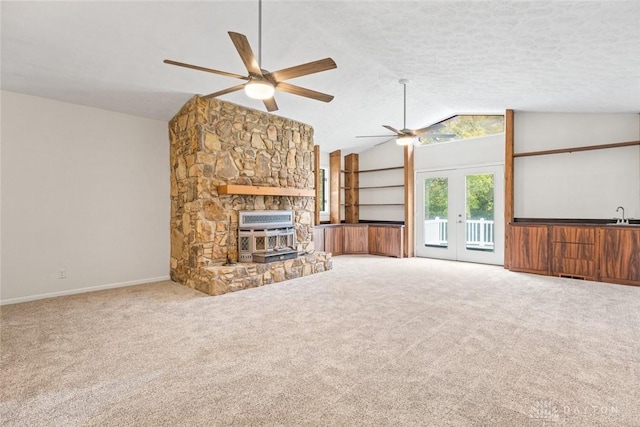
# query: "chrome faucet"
{"type": "Point", "coordinates": [623, 220]}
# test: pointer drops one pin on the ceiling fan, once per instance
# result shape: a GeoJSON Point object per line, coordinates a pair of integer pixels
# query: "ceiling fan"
{"type": "Point", "coordinates": [261, 84]}
{"type": "Point", "coordinates": [403, 136]}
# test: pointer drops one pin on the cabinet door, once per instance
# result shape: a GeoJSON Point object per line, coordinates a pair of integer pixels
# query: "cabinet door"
{"type": "Point", "coordinates": [620, 256]}
{"type": "Point", "coordinates": [386, 241]}
{"type": "Point", "coordinates": [356, 239]}
{"type": "Point", "coordinates": [318, 238]}
{"type": "Point", "coordinates": [333, 240]}
{"type": "Point", "coordinates": [529, 248]}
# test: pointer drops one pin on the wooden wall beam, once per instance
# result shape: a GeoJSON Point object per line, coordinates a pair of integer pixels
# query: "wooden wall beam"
{"type": "Point", "coordinates": [318, 184]}
{"type": "Point", "coordinates": [351, 189]}
{"type": "Point", "coordinates": [508, 185]}
{"type": "Point", "coordinates": [576, 149]}
{"type": "Point", "coordinates": [409, 211]}
{"type": "Point", "coordinates": [335, 160]}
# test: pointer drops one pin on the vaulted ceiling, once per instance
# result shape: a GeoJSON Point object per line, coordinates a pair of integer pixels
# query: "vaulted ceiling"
{"type": "Point", "coordinates": [461, 57]}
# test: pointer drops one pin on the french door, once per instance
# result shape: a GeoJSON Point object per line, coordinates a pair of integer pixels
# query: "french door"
{"type": "Point", "coordinates": [460, 214]}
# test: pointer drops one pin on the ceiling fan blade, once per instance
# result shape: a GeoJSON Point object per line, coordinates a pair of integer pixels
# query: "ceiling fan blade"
{"type": "Point", "coordinates": [418, 132]}
{"type": "Point", "coordinates": [392, 129]}
{"type": "Point", "coordinates": [304, 69]}
{"type": "Point", "coordinates": [374, 136]}
{"type": "Point", "coordinates": [208, 70]}
{"type": "Point", "coordinates": [224, 92]}
{"type": "Point", "coordinates": [270, 104]}
{"type": "Point", "coordinates": [297, 90]}
{"type": "Point", "coordinates": [246, 54]}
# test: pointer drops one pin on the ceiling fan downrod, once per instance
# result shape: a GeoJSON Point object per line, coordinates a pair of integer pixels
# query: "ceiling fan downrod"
{"type": "Point", "coordinates": [258, 87]}
{"type": "Point", "coordinates": [404, 83]}
{"type": "Point", "coordinates": [403, 137]}
{"type": "Point", "coordinates": [260, 34]}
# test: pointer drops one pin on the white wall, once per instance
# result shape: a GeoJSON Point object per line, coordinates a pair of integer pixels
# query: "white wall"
{"type": "Point", "coordinates": [85, 190]}
{"type": "Point", "coordinates": [584, 184]}
{"type": "Point", "coordinates": [484, 150]}
{"type": "Point", "coordinates": [449, 155]}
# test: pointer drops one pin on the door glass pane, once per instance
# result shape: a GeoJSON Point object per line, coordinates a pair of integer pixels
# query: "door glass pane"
{"type": "Point", "coordinates": [479, 202]}
{"type": "Point", "coordinates": [436, 211]}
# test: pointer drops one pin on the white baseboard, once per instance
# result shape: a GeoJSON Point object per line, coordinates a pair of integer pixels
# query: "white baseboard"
{"type": "Point", "coordinates": [83, 290]}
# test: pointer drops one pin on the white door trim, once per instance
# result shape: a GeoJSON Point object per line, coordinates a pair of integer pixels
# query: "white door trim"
{"type": "Point", "coordinates": [457, 247]}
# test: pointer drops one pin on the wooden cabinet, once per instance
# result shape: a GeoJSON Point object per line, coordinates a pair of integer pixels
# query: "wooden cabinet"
{"type": "Point", "coordinates": [620, 259]}
{"type": "Point", "coordinates": [375, 239]}
{"type": "Point", "coordinates": [333, 238]}
{"type": "Point", "coordinates": [593, 252]}
{"type": "Point", "coordinates": [530, 248]}
{"type": "Point", "coordinates": [574, 252]}
{"type": "Point", "coordinates": [318, 238]}
{"type": "Point", "coordinates": [356, 239]}
{"type": "Point", "coordinates": [386, 240]}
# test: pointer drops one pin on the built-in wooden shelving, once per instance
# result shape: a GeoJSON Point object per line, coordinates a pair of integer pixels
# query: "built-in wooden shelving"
{"type": "Point", "coordinates": [351, 188]}
{"type": "Point", "coordinates": [254, 190]}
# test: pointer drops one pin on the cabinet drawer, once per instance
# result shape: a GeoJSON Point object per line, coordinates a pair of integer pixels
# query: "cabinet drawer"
{"type": "Point", "coordinates": [574, 251]}
{"type": "Point", "coordinates": [573, 267]}
{"type": "Point", "coordinates": [573, 234]}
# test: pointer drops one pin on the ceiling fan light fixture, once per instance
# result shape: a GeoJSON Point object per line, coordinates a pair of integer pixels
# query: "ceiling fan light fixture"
{"type": "Point", "coordinates": [259, 89]}
{"type": "Point", "coordinates": [404, 140]}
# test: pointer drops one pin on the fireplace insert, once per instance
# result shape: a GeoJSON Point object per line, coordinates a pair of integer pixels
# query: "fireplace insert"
{"type": "Point", "coordinates": [266, 236]}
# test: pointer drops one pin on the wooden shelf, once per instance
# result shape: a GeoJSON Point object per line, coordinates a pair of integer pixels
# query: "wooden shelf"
{"type": "Point", "coordinates": [254, 190]}
{"type": "Point", "coordinates": [382, 169]}
{"type": "Point", "coordinates": [571, 150]}
{"type": "Point", "coordinates": [382, 186]}
{"type": "Point", "coordinates": [381, 204]}
{"type": "Point", "coordinates": [375, 186]}
{"type": "Point", "coordinates": [376, 170]}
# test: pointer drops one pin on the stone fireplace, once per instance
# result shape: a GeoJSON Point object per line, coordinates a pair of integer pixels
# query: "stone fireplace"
{"type": "Point", "coordinates": [217, 145]}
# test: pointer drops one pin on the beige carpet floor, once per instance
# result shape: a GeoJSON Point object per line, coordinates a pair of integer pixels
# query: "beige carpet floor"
{"type": "Point", "coordinates": [376, 341]}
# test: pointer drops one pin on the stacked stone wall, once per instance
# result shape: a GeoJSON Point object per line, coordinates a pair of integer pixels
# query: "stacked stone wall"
{"type": "Point", "coordinates": [215, 143]}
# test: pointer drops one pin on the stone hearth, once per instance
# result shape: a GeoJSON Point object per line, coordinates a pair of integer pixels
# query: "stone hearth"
{"type": "Point", "coordinates": [216, 143]}
{"type": "Point", "coordinates": [220, 280]}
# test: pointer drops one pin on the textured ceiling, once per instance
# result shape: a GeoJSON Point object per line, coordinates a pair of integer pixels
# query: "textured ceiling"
{"type": "Point", "coordinates": [461, 57]}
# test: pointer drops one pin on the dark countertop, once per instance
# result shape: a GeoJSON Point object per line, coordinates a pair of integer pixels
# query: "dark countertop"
{"type": "Point", "coordinates": [633, 223]}
{"type": "Point", "coordinates": [362, 224]}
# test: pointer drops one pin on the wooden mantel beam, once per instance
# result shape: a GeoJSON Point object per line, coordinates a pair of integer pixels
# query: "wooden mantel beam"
{"type": "Point", "coordinates": [254, 190]}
